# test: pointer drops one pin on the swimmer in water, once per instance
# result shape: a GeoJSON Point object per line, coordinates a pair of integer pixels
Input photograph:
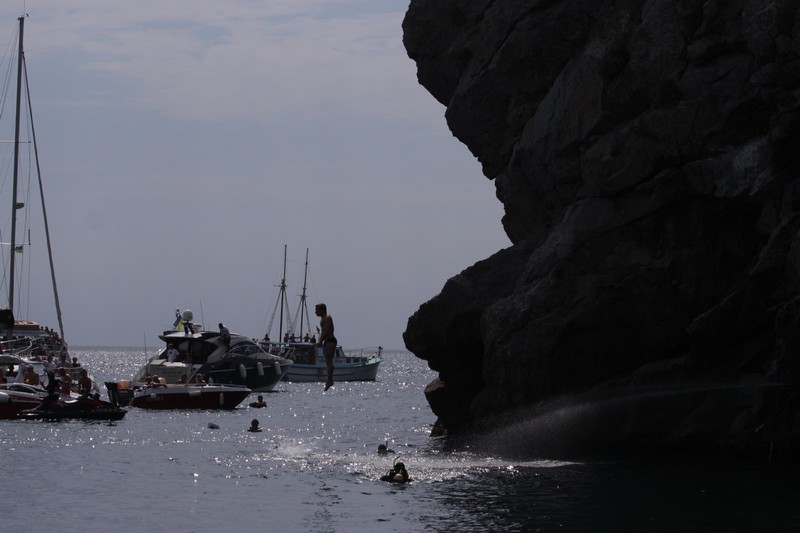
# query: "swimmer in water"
{"type": "Point", "coordinates": [383, 450]}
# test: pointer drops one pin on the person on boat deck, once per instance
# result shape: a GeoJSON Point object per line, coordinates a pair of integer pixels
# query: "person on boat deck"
{"type": "Point", "coordinates": [172, 353]}
{"type": "Point", "coordinates": [225, 335]}
{"type": "Point", "coordinates": [65, 381]}
{"type": "Point", "coordinates": [53, 388]}
{"type": "Point", "coordinates": [75, 363]}
{"type": "Point", "coordinates": [31, 377]}
{"type": "Point", "coordinates": [259, 403]}
{"type": "Point", "coordinates": [254, 426]}
{"type": "Point", "coordinates": [199, 379]}
{"type": "Point", "coordinates": [157, 382]}
{"type": "Point", "coordinates": [49, 364]}
{"type": "Point", "coordinates": [64, 361]}
{"type": "Point", "coordinates": [84, 383]}
{"type": "Point", "coordinates": [183, 379]}
{"type": "Point", "coordinates": [326, 339]}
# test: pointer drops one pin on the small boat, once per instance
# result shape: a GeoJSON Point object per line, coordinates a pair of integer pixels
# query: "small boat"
{"type": "Point", "coordinates": [87, 407]}
{"type": "Point", "coordinates": [14, 366]}
{"type": "Point", "coordinates": [308, 362]}
{"type": "Point", "coordinates": [18, 397]}
{"type": "Point", "coordinates": [209, 396]}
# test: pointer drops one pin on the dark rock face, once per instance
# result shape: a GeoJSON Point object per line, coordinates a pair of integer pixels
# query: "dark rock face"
{"type": "Point", "coordinates": [647, 154]}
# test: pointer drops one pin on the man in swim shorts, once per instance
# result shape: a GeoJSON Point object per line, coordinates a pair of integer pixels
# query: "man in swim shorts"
{"type": "Point", "coordinates": [326, 340]}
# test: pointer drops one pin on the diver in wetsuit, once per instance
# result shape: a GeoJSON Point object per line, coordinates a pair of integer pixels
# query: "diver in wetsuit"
{"type": "Point", "coordinates": [397, 474]}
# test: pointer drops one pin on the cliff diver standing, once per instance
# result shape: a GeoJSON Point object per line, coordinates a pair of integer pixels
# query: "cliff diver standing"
{"type": "Point", "coordinates": [326, 340]}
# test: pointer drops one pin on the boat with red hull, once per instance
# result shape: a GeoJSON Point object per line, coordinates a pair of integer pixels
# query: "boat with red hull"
{"type": "Point", "coordinates": [18, 397]}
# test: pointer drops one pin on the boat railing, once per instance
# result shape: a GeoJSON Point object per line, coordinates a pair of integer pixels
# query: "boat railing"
{"type": "Point", "coordinates": [281, 349]}
{"type": "Point", "coordinates": [31, 347]}
{"type": "Point", "coordinates": [364, 353]}
{"type": "Point", "coordinates": [18, 346]}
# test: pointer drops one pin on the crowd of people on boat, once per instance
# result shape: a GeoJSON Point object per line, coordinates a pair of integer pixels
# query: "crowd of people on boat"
{"type": "Point", "coordinates": [291, 337]}
{"type": "Point", "coordinates": [65, 376]}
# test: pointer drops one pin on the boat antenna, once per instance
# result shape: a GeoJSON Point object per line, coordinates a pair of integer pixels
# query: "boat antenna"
{"type": "Point", "coordinates": [44, 208]}
{"type": "Point", "coordinates": [14, 205]}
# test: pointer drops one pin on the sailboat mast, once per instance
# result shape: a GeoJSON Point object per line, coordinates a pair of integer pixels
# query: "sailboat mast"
{"type": "Point", "coordinates": [282, 296]}
{"type": "Point", "coordinates": [303, 310]}
{"type": "Point", "coordinates": [16, 172]}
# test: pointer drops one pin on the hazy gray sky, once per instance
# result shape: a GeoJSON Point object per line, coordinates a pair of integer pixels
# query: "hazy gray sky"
{"type": "Point", "coordinates": [183, 143]}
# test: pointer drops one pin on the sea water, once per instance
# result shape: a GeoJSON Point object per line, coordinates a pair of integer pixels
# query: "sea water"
{"type": "Point", "coordinates": [314, 467]}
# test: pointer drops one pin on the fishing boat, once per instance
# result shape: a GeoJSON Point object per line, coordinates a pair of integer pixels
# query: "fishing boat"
{"type": "Point", "coordinates": [236, 360]}
{"type": "Point", "coordinates": [25, 336]}
{"type": "Point", "coordinates": [308, 362]}
{"type": "Point", "coordinates": [193, 396]}
{"type": "Point", "coordinates": [300, 347]}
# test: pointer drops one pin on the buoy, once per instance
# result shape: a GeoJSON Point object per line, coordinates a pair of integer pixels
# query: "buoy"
{"type": "Point", "coordinates": [4, 398]}
{"type": "Point", "coordinates": [153, 396]}
{"type": "Point", "coordinates": [212, 425]}
{"type": "Point", "coordinates": [277, 366]}
{"type": "Point", "coordinates": [222, 398]}
{"type": "Point", "coordinates": [243, 371]}
{"type": "Point", "coordinates": [194, 392]}
{"type": "Point", "coordinates": [260, 368]}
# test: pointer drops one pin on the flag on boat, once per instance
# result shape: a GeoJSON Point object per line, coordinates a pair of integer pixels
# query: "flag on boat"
{"type": "Point", "coordinates": [178, 320]}
{"type": "Point", "coordinates": [18, 248]}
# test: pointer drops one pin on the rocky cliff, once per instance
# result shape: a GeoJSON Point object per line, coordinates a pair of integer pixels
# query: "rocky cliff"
{"type": "Point", "coordinates": [647, 155]}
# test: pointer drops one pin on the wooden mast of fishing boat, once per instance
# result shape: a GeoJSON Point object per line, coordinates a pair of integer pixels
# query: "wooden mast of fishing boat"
{"type": "Point", "coordinates": [303, 309]}
{"type": "Point", "coordinates": [282, 296]}
{"type": "Point", "coordinates": [14, 205]}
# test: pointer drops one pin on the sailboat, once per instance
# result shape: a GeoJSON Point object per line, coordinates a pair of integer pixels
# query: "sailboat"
{"type": "Point", "coordinates": [26, 337]}
{"type": "Point", "coordinates": [301, 347]}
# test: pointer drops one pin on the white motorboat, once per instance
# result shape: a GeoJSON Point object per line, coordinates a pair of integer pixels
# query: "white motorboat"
{"type": "Point", "coordinates": [240, 361]}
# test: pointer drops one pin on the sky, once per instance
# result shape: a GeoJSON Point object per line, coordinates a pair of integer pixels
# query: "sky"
{"type": "Point", "coordinates": [184, 144]}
